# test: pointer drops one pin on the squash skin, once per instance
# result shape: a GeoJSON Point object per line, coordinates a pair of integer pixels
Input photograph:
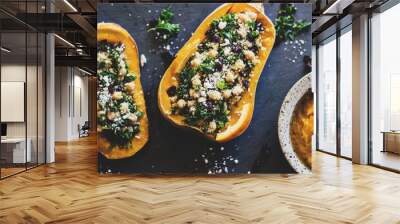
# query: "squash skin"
{"type": "Point", "coordinates": [241, 114]}
{"type": "Point", "coordinates": [114, 33]}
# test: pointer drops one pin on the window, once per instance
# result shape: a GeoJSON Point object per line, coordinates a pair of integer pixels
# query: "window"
{"type": "Point", "coordinates": [22, 76]}
{"type": "Point", "coordinates": [327, 95]}
{"type": "Point", "coordinates": [385, 89]}
{"type": "Point", "coordinates": [346, 92]}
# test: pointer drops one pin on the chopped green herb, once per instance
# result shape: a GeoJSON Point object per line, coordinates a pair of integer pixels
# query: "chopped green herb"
{"type": "Point", "coordinates": [287, 28]}
{"type": "Point", "coordinates": [221, 84]}
{"type": "Point", "coordinates": [207, 66]}
{"type": "Point", "coordinates": [164, 25]}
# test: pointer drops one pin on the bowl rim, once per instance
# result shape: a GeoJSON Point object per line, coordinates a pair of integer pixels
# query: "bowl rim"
{"type": "Point", "coordinates": [295, 94]}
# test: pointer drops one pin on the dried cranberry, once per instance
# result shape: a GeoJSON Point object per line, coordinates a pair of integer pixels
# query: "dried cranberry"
{"type": "Point", "coordinates": [209, 105]}
{"type": "Point", "coordinates": [218, 66]}
{"type": "Point", "coordinates": [259, 26]}
{"type": "Point", "coordinates": [201, 48]}
{"type": "Point", "coordinates": [236, 48]}
{"type": "Point", "coordinates": [110, 89]}
{"type": "Point", "coordinates": [254, 48]}
{"type": "Point", "coordinates": [245, 83]}
{"type": "Point", "coordinates": [171, 91]}
{"type": "Point", "coordinates": [243, 74]}
{"type": "Point", "coordinates": [215, 38]}
{"type": "Point", "coordinates": [118, 88]}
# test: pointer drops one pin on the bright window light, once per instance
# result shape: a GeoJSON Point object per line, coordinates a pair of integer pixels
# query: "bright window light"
{"type": "Point", "coordinates": [5, 50]}
{"type": "Point", "coordinates": [64, 40]}
{"type": "Point", "coordinates": [70, 5]}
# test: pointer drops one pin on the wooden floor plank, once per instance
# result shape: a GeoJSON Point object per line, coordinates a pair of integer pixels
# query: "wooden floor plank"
{"type": "Point", "coordinates": [71, 191]}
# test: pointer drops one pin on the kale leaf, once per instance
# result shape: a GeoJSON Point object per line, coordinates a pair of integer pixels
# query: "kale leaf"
{"type": "Point", "coordinates": [286, 26]}
{"type": "Point", "coordinates": [163, 24]}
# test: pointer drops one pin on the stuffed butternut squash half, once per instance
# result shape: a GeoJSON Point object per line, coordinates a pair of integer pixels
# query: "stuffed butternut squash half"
{"type": "Point", "coordinates": [211, 84]}
{"type": "Point", "coordinates": [121, 111]}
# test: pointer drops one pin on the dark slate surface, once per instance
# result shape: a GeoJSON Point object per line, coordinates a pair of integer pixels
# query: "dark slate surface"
{"type": "Point", "coordinates": [173, 150]}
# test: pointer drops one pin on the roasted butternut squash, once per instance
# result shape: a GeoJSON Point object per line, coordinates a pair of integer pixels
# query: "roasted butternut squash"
{"type": "Point", "coordinates": [122, 118]}
{"type": "Point", "coordinates": [210, 86]}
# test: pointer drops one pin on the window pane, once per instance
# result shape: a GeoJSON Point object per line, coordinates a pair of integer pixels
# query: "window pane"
{"type": "Point", "coordinates": [385, 89]}
{"type": "Point", "coordinates": [14, 153]}
{"type": "Point", "coordinates": [31, 97]}
{"type": "Point", "coordinates": [327, 96]}
{"type": "Point", "coordinates": [346, 94]}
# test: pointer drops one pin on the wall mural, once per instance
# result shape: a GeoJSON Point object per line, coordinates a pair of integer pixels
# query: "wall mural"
{"type": "Point", "coordinates": [204, 88]}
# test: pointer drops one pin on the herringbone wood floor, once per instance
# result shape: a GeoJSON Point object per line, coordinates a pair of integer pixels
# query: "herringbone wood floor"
{"type": "Point", "coordinates": [71, 191]}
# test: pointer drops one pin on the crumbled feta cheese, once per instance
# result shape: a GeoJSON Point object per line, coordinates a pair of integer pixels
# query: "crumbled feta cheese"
{"type": "Point", "coordinates": [143, 60]}
{"type": "Point", "coordinates": [133, 118]}
{"type": "Point", "coordinates": [221, 25]}
{"type": "Point", "coordinates": [226, 42]}
{"type": "Point", "coordinates": [242, 32]}
{"type": "Point", "coordinates": [195, 62]}
{"type": "Point", "coordinates": [237, 90]}
{"type": "Point", "coordinates": [252, 15]}
{"type": "Point", "coordinates": [227, 51]}
{"type": "Point", "coordinates": [248, 44]}
{"type": "Point", "coordinates": [212, 126]}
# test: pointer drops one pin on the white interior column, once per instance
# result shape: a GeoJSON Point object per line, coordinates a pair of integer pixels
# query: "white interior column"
{"type": "Point", "coordinates": [360, 90]}
{"type": "Point", "coordinates": [50, 92]}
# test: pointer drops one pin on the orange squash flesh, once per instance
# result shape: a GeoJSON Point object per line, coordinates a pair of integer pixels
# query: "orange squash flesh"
{"type": "Point", "coordinates": [241, 114]}
{"type": "Point", "coordinates": [114, 33]}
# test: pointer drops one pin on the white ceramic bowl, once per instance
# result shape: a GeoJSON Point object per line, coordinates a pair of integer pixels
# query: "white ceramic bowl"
{"type": "Point", "coordinates": [285, 116]}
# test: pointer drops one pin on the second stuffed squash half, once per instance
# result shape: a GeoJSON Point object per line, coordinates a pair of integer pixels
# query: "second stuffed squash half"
{"type": "Point", "coordinates": [121, 109]}
{"type": "Point", "coordinates": [211, 84]}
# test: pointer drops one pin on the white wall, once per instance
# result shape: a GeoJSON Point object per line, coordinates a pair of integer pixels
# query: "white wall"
{"type": "Point", "coordinates": [16, 73]}
{"type": "Point", "coordinates": [70, 83]}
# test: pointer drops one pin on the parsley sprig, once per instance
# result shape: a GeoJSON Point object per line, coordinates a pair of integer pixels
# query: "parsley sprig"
{"type": "Point", "coordinates": [164, 24]}
{"type": "Point", "coordinates": [287, 28]}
